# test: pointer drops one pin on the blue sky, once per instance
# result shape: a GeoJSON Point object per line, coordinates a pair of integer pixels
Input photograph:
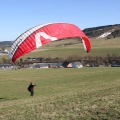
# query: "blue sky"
{"type": "Point", "coordinates": [17, 16]}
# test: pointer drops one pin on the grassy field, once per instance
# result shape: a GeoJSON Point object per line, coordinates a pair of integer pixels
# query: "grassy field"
{"type": "Point", "coordinates": [61, 94]}
{"type": "Point", "coordinates": [100, 47]}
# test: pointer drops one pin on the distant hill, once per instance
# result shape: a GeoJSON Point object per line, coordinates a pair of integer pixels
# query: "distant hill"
{"type": "Point", "coordinates": [108, 31]}
{"type": "Point", "coordinates": [6, 43]}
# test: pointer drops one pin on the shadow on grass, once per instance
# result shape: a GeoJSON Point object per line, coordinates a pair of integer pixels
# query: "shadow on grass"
{"type": "Point", "coordinates": [1, 98]}
{"type": "Point", "coordinates": [4, 99]}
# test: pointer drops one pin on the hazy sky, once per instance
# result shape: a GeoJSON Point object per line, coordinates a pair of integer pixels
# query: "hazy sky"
{"type": "Point", "coordinates": [17, 16]}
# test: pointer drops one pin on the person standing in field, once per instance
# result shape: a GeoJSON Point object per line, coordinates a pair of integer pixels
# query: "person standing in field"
{"type": "Point", "coordinates": [31, 88]}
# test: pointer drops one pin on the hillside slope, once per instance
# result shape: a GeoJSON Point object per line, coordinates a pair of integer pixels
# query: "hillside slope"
{"type": "Point", "coordinates": [108, 31]}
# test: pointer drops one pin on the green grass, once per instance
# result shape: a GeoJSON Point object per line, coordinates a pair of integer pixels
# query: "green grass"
{"type": "Point", "coordinates": [100, 47]}
{"type": "Point", "coordinates": [61, 94]}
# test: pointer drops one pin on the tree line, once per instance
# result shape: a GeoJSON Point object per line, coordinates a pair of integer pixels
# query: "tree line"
{"type": "Point", "coordinates": [85, 60]}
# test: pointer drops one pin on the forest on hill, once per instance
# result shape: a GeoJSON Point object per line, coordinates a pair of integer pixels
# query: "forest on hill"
{"type": "Point", "coordinates": [110, 30]}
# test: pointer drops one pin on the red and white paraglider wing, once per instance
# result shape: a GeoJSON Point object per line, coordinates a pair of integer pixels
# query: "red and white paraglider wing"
{"type": "Point", "coordinates": [43, 34]}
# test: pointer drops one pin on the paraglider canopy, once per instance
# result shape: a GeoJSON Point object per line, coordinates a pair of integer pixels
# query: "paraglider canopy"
{"type": "Point", "coordinates": [43, 34]}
